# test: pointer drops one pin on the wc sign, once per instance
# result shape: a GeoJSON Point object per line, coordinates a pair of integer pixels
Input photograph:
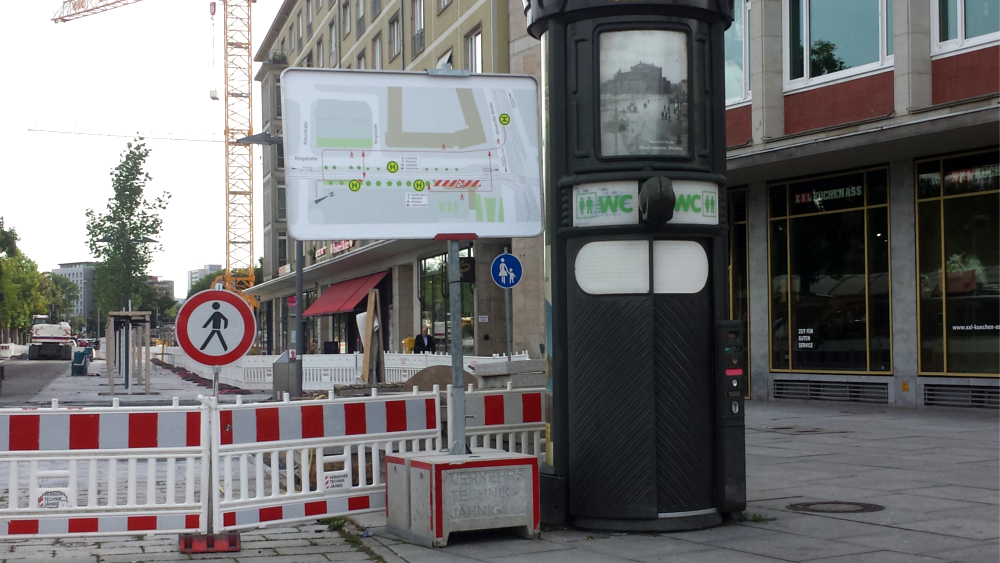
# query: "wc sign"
{"type": "Point", "coordinates": [616, 203]}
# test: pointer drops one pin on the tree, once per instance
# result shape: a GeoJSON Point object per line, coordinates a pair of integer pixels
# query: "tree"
{"type": "Point", "coordinates": [121, 237]}
{"type": "Point", "coordinates": [823, 58]}
{"type": "Point", "coordinates": [8, 240]}
{"type": "Point", "coordinates": [21, 286]}
{"type": "Point", "coordinates": [60, 294]}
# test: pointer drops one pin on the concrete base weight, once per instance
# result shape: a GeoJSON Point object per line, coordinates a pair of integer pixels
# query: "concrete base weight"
{"type": "Point", "coordinates": [429, 496]}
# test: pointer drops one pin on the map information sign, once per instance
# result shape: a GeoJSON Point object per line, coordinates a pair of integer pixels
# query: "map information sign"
{"type": "Point", "coordinates": [410, 155]}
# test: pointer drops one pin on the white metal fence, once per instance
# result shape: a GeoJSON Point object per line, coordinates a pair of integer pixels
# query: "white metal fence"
{"type": "Point", "coordinates": [103, 471]}
{"type": "Point", "coordinates": [511, 419]}
{"type": "Point", "coordinates": [282, 462]}
{"type": "Point", "coordinates": [7, 351]}
{"type": "Point", "coordinates": [323, 372]}
{"type": "Point", "coordinates": [148, 470]}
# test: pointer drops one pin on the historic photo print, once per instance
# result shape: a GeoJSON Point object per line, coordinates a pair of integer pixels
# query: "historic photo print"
{"type": "Point", "coordinates": [644, 93]}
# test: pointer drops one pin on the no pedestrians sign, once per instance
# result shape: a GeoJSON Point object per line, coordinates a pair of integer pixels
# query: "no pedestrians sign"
{"type": "Point", "coordinates": [215, 327]}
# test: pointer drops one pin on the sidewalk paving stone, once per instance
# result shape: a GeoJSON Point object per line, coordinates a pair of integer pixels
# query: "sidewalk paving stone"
{"type": "Point", "coordinates": [909, 541]}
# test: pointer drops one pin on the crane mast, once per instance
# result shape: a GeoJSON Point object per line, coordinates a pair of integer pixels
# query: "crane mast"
{"type": "Point", "coordinates": [239, 274]}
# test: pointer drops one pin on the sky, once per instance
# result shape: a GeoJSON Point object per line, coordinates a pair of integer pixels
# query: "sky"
{"type": "Point", "coordinates": [143, 68]}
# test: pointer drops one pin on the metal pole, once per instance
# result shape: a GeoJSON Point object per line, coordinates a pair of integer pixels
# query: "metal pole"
{"type": "Point", "coordinates": [300, 323]}
{"type": "Point", "coordinates": [510, 329]}
{"type": "Point", "coordinates": [215, 381]}
{"type": "Point", "coordinates": [458, 447]}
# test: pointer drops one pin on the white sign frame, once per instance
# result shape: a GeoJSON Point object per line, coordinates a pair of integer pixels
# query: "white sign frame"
{"type": "Point", "coordinates": [487, 126]}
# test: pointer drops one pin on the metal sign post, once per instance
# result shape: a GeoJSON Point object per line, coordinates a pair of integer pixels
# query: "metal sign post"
{"type": "Point", "coordinates": [458, 447]}
{"type": "Point", "coordinates": [506, 271]}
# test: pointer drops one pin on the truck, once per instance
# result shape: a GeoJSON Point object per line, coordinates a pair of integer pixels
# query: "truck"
{"type": "Point", "coordinates": [50, 341]}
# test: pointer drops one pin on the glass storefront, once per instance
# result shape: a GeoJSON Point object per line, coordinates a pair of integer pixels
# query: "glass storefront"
{"type": "Point", "coordinates": [434, 302]}
{"type": "Point", "coordinates": [958, 264]}
{"type": "Point", "coordinates": [739, 294]}
{"type": "Point", "coordinates": [829, 273]}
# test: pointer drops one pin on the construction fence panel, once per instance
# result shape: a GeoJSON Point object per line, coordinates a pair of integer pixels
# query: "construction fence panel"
{"type": "Point", "coordinates": [103, 471]}
{"type": "Point", "coordinates": [283, 462]}
{"type": "Point", "coordinates": [8, 351]}
{"type": "Point", "coordinates": [512, 420]}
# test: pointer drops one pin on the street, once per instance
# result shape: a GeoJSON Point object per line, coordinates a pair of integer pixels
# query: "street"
{"type": "Point", "coordinates": [24, 379]}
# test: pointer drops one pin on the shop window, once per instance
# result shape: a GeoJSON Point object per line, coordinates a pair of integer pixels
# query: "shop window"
{"type": "Point", "coordinates": [957, 24]}
{"type": "Point", "coordinates": [831, 39]}
{"type": "Point", "coordinates": [434, 302]}
{"type": "Point", "coordinates": [958, 264]}
{"type": "Point", "coordinates": [829, 274]}
{"type": "Point", "coordinates": [739, 300]}
{"type": "Point", "coordinates": [737, 45]}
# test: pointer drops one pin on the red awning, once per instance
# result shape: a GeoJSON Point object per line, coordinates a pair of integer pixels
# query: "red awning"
{"type": "Point", "coordinates": [343, 297]}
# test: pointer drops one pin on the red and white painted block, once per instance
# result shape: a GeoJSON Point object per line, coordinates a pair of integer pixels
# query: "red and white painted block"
{"type": "Point", "coordinates": [503, 408]}
{"type": "Point", "coordinates": [339, 506]}
{"type": "Point", "coordinates": [103, 525]}
{"type": "Point", "coordinates": [298, 421]}
{"type": "Point", "coordinates": [64, 430]}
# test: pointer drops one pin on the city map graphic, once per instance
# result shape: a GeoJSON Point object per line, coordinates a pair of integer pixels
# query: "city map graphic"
{"type": "Point", "coordinates": [409, 155]}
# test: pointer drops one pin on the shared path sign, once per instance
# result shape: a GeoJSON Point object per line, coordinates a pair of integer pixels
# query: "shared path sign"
{"type": "Point", "coordinates": [506, 270]}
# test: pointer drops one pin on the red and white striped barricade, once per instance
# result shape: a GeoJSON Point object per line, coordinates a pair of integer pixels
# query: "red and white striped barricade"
{"type": "Point", "coordinates": [512, 420]}
{"type": "Point", "coordinates": [303, 460]}
{"type": "Point", "coordinates": [104, 470]}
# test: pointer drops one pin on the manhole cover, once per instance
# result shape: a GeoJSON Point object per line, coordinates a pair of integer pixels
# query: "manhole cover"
{"type": "Point", "coordinates": [835, 506]}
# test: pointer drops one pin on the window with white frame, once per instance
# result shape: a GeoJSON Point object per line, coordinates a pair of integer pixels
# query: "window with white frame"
{"type": "Point", "coordinates": [737, 45]}
{"type": "Point", "coordinates": [395, 36]}
{"type": "Point", "coordinates": [958, 24]}
{"type": "Point", "coordinates": [831, 39]}
{"type": "Point", "coordinates": [442, 4]}
{"type": "Point", "coordinates": [277, 96]}
{"type": "Point", "coordinates": [346, 17]}
{"type": "Point", "coordinates": [300, 30]}
{"type": "Point", "coordinates": [333, 43]}
{"type": "Point", "coordinates": [282, 248]}
{"type": "Point", "coordinates": [417, 25]}
{"type": "Point", "coordinates": [361, 61]}
{"type": "Point", "coordinates": [319, 4]}
{"type": "Point", "coordinates": [361, 17]}
{"type": "Point", "coordinates": [377, 52]}
{"type": "Point", "coordinates": [280, 208]}
{"type": "Point", "coordinates": [319, 53]}
{"type": "Point", "coordinates": [474, 50]}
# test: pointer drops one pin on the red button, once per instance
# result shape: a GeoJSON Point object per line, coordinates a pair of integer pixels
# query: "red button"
{"type": "Point", "coordinates": [734, 371]}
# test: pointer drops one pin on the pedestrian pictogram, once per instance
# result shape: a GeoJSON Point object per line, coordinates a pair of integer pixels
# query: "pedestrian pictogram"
{"type": "Point", "coordinates": [215, 327]}
{"type": "Point", "coordinates": [506, 270]}
{"type": "Point", "coordinates": [216, 320]}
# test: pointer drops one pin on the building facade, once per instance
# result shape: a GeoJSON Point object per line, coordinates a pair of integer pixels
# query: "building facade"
{"type": "Point", "coordinates": [410, 276]}
{"type": "Point", "coordinates": [864, 174]}
{"type": "Point", "coordinates": [163, 287]}
{"type": "Point", "coordinates": [864, 182]}
{"type": "Point", "coordinates": [82, 274]}
{"type": "Point", "coordinates": [194, 276]}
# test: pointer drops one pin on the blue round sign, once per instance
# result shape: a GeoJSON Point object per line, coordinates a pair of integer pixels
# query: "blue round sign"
{"type": "Point", "coordinates": [506, 270]}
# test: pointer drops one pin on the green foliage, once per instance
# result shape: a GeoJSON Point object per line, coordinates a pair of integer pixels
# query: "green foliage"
{"type": "Point", "coordinates": [157, 303]}
{"type": "Point", "coordinates": [21, 285]}
{"type": "Point", "coordinates": [119, 237]}
{"type": "Point", "coordinates": [8, 240]}
{"type": "Point", "coordinates": [823, 58]}
{"type": "Point", "coordinates": [206, 282]}
{"type": "Point", "coordinates": [60, 294]}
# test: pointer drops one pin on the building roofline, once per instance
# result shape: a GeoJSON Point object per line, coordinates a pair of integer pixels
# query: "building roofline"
{"type": "Point", "coordinates": [279, 22]}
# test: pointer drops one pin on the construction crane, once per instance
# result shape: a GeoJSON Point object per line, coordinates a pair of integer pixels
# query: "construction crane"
{"type": "Point", "coordinates": [239, 274]}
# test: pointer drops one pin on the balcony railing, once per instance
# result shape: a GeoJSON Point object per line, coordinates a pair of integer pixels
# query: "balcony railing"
{"type": "Point", "coordinates": [418, 42]}
{"type": "Point", "coordinates": [277, 57]}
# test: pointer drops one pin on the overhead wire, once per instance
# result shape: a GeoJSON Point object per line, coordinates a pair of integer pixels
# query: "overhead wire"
{"type": "Point", "coordinates": [124, 136]}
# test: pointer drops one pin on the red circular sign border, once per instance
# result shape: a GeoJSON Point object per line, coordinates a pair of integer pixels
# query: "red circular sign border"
{"type": "Point", "coordinates": [216, 295]}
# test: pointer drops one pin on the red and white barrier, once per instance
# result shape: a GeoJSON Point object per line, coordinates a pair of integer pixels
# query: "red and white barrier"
{"type": "Point", "coordinates": [103, 471]}
{"type": "Point", "coordinates": [284, 462]}
{"type": "Point", "coordinates": [512, 420]}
